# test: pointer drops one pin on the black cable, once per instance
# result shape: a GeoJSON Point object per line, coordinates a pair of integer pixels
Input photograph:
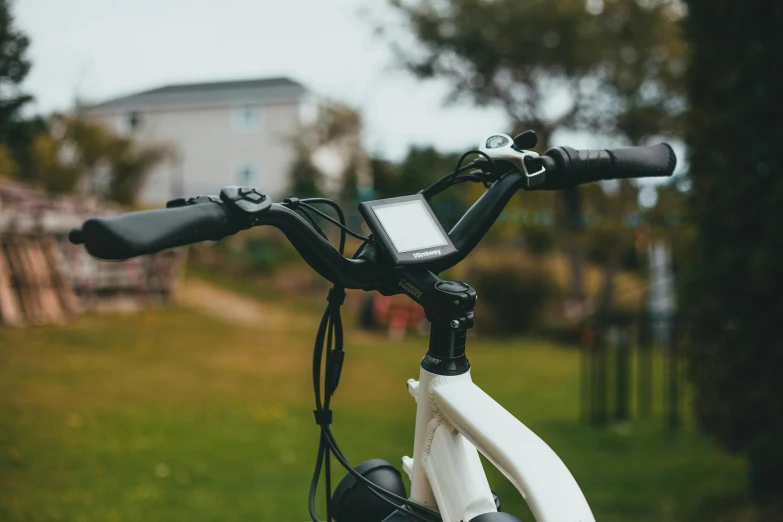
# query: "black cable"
{"type": "Point", "coordinates": [328, 480]}
{"type": "Point", "coordinates": [331, 219]}
{"type": "Point", "coordinates": [477, 178]}
{"type": "Point", "coordinates": [323, 445]}
{"type": "Point", "coordinates": [443, 183]}
{"type": "Point", "coordinates": [462, 158]}
{"type": "Point", "coordinates": [377, 490]}
{"type": "Point", "coordinates": [302, 206]}
{"type": "Point", "coordinates": [329, 339]}
{"type": "Point", "coordinates": [330, 330]}
{"type": "Point", "coordinates": [329, 202]}
{"type": "Point", "coordinates": [449, 179]}
{"type": "Point", "coordinates": [359, 250]}
{"type": "Point", "coordinates": [340, 215]}
{"type": "Point", "coordinates": [303, 212]}
{"type": "Point", "coordinates": [314, 481]}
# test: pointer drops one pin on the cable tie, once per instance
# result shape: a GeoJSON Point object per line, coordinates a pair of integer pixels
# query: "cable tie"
{"type": "Point", "coordinates": [292, 203]}
{"type": "Point", "coordinates": [336, 296]}
{"type": "Point", "coordinates": [323, 417]}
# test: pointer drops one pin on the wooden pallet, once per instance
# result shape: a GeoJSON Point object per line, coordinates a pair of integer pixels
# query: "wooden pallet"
{"type": "Point", "coordinates": [44, 279]}
{"type": "Point", "coordinates": [34, 281]}
{"type": "Point", "coordinates": [10, 309]}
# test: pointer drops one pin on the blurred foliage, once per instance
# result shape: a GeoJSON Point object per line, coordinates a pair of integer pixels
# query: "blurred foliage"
{"type": "Point", "coordinates": [8, 166]}
{"type": "Point", "coordinates": [78, 152]}
{"type": "Point", "coordinates": [21, 140]}
{"type": "Point", "coordinates": [265, 254]}
{"type": "Point", "coordinates": [420, 168]}
{"type": "Point", "coordinates": [260, 251]}
{"type": "Point", "coordinates": [129, 164]}
{"type": "Point", "coordinates": [734, 294]}
{"type": "Point", "coordinates": [513, 291]}
{"type": "Point", "coordinates": [14, 66]}
{"type": "Point", "coordinates": [668, 219]}
{"type": "Point", "coordinates": [619, 64]}
{"type": "Point", "coordinates": [305, 178]}
{"type": "Point", "coordinates": [330, 149]}
{"type": "Point", "coordinates": [55, 176]}
{"type": "Point", "coordinates": [17, 132]}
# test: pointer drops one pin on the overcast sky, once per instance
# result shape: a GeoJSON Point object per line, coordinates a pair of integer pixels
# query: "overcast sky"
{"type": "Point", "coordinates": [98, 49]}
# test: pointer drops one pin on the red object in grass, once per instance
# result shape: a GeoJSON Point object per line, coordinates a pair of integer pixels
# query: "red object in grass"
{"type": "Point", "coordinates": [398, 313]}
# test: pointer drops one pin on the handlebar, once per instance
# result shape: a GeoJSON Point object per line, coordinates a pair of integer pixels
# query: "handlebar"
{"type": "Point", "coordinates": [209, 218]}
{"type": "Point", "coordinates": [566, 167]}
{"type": "Point", "coordinates": [137, 233]}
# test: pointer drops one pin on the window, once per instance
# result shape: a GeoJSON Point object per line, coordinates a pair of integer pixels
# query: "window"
{"type": "Point", "coordinates": [308, 113]}
{"type": "Point", "coordinates": [129, 122]}
{"type": "Point", "coordinates": [248, 174]}
{"type": "Point", "coordinates": [247, 118]}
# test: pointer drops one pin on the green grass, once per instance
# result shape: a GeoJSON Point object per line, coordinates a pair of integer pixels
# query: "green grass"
{"type": "Point", "coordinates": [175, 416]}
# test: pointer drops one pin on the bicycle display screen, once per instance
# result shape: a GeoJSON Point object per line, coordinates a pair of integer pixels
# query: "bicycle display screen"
{"type": "Point", "coordinates": [407, 229]}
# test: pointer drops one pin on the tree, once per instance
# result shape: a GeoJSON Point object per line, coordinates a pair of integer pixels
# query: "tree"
{"type": "Point", "coordinates": [614, 67]}
{"type": "Point", "coordinates": [336, 134]}
{"type": "Point", "coordinates": [734, 296]}
{"type": "Point", "coordinates": [420, 168]}
{"type": "Point", "coordinates": [304, 177]}
{"type": "Point", "coordinates": [77, 152]}
{"type": "Point", "coordinates": [16, 132]}
{"type": "Point", "coordinates": [129, 165]}
{"type": "Point", "coordinates": [384, 178]}
{"type": "Point", "coordinates": [14, 67]}
{"type": "Point", "coordinates": [617, 65]}
{"type": "Point", "coordinates": [8, 166]}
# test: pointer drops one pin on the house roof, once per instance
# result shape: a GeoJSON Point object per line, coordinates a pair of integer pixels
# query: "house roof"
{"type": "Point", "coordinates": [202, 95]}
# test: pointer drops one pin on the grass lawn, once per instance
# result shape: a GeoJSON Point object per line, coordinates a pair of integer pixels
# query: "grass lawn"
{"type": "Point", "coordinates": [175, 416]}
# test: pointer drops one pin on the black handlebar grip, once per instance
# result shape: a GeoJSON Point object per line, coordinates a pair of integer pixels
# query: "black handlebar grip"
{"type": "Point", "coordinates": [567, 167]}
{"type": "Point", "coordinates": [138, 233]}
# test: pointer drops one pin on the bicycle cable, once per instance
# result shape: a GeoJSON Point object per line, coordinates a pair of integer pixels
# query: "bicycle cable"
{"type": "Point", "coordinates": [452, 177]}
{"type": "Point", "coordinates": [328, 357]}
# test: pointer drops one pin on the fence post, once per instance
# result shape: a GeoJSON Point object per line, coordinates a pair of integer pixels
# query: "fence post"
{"type": "Point", "coordinates": [586, 342]}
{"type": "Point", "coordinates": [644, 366]}
{"type": "Point", "coordinates": [672, 395]}
{"type": "Point", "coordinates": [622, 371]}
{"type": "Point", "coordinates": [599, 367]}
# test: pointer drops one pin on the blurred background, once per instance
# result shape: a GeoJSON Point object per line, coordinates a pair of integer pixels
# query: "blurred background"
{"type": "Point", "coordinates": [633, 326]}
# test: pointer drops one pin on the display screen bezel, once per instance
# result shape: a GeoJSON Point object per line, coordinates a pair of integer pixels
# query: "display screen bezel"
{"type": "Point", "coordinates": [418, 256]}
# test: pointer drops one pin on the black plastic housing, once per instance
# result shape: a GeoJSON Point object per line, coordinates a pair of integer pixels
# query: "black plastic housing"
{"type": "Point", "coordinates": [352, 502]}
{"type": "Point", "coordinates": [422, 256]}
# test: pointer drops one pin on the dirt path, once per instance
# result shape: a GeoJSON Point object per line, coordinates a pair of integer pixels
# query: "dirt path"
{"type": "Point", "coordinates": [230, 306]}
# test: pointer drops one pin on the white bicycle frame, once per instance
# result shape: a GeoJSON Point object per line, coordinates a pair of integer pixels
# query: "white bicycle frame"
{"type": "Point", "coordinates": [455, 420]}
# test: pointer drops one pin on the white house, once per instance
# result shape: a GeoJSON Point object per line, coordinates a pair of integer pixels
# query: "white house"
{"type": "Point", "coordinates": [221, 133]}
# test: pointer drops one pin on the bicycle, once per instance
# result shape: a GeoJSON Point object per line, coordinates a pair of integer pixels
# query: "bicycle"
{"type": "Point", "coordinates": [405, 250]}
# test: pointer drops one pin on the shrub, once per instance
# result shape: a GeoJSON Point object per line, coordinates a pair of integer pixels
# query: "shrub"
{"type": "Point", "coordinates": [512, 291]}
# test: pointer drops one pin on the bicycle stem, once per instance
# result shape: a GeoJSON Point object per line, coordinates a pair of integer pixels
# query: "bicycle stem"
{"type": "Point", "coordinates": [448, 306]}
